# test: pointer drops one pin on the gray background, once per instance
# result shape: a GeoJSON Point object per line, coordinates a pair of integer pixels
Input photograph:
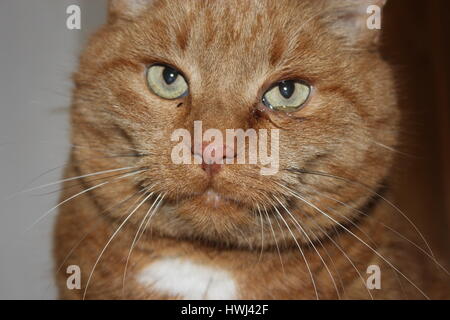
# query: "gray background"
{"type": "Point", "coordinates": [37, 55]}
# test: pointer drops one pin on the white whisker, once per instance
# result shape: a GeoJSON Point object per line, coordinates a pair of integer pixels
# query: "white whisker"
{"type": "Point", "coordinates": [432, 258]}
{"type": "Point", "coordinates": [149, 213]}
{"type": "Point", "coordinates": [81, 193]}
{"type": "Point", "coordinates": [158, 205]}
{"type": "Point", "coordinates": [301, 252]}
{"type": "Point", "coordinates": [262, 233]}
{"type": "Point", "coordinates": [92, 228]}
{"type": "Point", "coordinates": [324, 174]}
{"type": "Point", "coordinates": [359, 239]}
{"type": "Point", "coordinates": [67, 180]}
{"type": "Point", "coordinates": [346, 256]}
{"type": "Point", "coordinates": [312, 244]}
{"type": "Point", "coordinates": [274, 238]}
{"type": "Point", "coordinates": [110, 240]}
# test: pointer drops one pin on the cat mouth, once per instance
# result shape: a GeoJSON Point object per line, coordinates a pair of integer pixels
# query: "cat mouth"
{"type": "Point", "coordinates": [211, 198]}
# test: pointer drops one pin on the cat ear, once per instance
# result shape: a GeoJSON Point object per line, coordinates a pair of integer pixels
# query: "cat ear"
{"type": "Point", "coordinates": [126, 9]}
{"type": "Point", "coordinates": [357, 21]}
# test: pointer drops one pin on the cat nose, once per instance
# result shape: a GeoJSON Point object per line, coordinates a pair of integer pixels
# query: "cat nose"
{"type": "Point", "coordinates": [214, 156]}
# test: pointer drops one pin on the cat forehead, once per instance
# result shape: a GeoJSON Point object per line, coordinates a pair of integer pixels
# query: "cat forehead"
{"type": "Point", "coordinates": [235, 23]}
{"type": "Point", "coordinates": [213, 30]}
{"type": "Point", "coordinates": [206, 20]}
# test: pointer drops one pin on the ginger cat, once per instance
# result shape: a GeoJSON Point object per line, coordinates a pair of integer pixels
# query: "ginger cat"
{"type": "Point", "coordinates": [141, 226]}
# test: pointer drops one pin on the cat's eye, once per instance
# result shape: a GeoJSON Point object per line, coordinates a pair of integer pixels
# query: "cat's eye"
{"type": "Point", "coordinates": [287, 96]}
{"type": "Point", "coordinates": [167, 82]}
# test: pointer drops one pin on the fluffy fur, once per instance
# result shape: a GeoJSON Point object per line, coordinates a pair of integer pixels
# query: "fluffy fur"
{"type": "Point", "coordinates": [335, 154]}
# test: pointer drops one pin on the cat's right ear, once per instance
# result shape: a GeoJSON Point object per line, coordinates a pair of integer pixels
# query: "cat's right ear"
{"type": "Point", "coordinates": [126, 9]}
{"type": "Point", "coordinates": [356, 21]}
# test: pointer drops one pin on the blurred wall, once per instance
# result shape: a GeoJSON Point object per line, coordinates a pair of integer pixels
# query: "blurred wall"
{"type": "Point", "coordinates": [416, 38]}
{"type": "Point", "coordinates": [37, 55]}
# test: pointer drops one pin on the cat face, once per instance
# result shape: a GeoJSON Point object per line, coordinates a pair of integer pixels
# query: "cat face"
{"type": "Point", "coordinates": [159, 66]}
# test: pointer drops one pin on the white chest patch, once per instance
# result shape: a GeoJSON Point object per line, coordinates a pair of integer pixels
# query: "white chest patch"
{"type": "Point", "coordinates": [188, 280]}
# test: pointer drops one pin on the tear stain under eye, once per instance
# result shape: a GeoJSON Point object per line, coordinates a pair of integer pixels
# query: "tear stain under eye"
{"type": "Point", "coordinates": [259, 112]}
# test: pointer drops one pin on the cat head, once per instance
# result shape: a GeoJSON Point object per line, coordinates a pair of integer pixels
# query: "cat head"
{"type": "Point", "coordinates": [306, 71]}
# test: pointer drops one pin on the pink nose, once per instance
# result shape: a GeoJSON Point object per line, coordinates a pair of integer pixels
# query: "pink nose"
{"type": "Point", "coordinates": [214, 156]}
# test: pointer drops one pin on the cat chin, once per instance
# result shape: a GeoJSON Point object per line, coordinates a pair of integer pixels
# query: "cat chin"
{"type": "Point", "coordinates": [211, 202]}
{"type": "Point", "coordinates": [210, 193]}
{"type": "Point", "coordinates": [214, 200]}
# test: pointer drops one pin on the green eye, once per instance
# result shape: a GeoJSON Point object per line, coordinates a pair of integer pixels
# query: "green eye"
{"type": "Point", "coordinates": [167, 82]}
{"type": "Point", "coordinates": [288, 96]}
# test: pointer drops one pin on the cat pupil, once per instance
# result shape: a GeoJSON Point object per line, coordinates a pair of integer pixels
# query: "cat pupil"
{"type": "Point", "coordinates": [170, 75]}
{"type": "Point", "coordinates": [287, 89]}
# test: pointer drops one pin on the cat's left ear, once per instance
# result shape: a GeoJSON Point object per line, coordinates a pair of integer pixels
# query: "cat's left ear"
{"type": "Point", "coordinates": [126, 9]}
{"type": "Point", "coordinates": [357, 21]}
